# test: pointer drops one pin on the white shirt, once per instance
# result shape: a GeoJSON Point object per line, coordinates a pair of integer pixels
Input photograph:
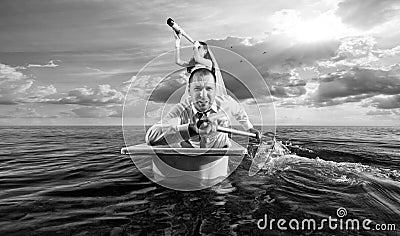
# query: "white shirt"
{"type": "Point", "coordinates": [174, 127]}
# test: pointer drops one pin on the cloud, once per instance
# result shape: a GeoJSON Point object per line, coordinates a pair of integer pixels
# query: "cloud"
{"type": "Point", "coordinates": [143, 84]}
{"type": "Point", "coordinates": [351, 86]}
{"type": "Point", "coordinates": [94, 69]}
{"type": "Point", "coordinates": [379, 113]}
{"type": "Point", "coordinates": [366, 14]}
{"type": "Point", "coordinates": [395, 51]}
{"type": "Point", "coordinates": [337, 101]}
{"type": "Point", "coordinates": [82, 111]}
{"type": "Point", "coordinates": [50, 64]}
{"type": "Point", "coordinates": [170, 90]}
{"type": "Point", "coordinates": [99, 96]}
{"type": "Point", "coordinates": [275, 58]}
{"type": "Point", "coordinates": [348, 70]}
{"type": "Point", "coordinates": [93, 112]}
{"type": "Point", "coordinates": [260, 101]}
{"type": "Point", "coordinates": [285, 85]}
{"type": "Point", "coordinates": [114, 72]}
{"type": "Point", "coordinates": [353, 51]}
{"type": "Point", "coordinates": [358, 82]}
{"type": "Point", "coordinates": [8, 73]}
{"type": "Point", "coordinates": [25, 112]}
{"type": "Point", "coordinates": [15, 87]}
{"type": "Point", "coordinates": [358, 71]}
{"type": "Point", "coordinates": [359, 51]}
{"type": "Point", "coordinates": [282, 92]}
{"type": "Point", "coordinates": [278, 70]}
{"type": "Point", "coordinates": [278, 53]}
{"type": "Point", "coordinates": [386, 102]}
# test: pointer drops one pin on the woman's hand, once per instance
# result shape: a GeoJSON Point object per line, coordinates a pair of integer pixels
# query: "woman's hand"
{"type": "Point", "coordinates": [196, 45]}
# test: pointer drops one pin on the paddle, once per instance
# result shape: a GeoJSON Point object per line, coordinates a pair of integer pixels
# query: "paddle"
{"type": "Point", "coordinates": [239, 132]}
{"type": "Point", "coordinates": [262, 151]}
{"type": "Point", "coordinates": [171, 23]}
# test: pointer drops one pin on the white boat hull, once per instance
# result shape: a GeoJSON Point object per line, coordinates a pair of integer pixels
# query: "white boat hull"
{"type": "Point", "coordinates": [194, 162]}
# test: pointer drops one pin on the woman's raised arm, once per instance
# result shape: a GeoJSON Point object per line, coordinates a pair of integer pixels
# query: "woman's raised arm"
{"type": "Point", "coordinates": [178, 60]}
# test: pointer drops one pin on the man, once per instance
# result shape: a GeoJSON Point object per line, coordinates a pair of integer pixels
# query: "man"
{"type": "Point", "coordinates": [193, 123]}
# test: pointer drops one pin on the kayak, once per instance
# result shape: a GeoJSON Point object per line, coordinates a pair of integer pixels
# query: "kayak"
{"type": "Point", "coordinates": [200, 163]}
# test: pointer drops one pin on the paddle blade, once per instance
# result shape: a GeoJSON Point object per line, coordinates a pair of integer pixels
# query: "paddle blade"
{"type": "Point", "coordinates": [265, 152]}
{"type": "Point", "coordinates": [261, 156]}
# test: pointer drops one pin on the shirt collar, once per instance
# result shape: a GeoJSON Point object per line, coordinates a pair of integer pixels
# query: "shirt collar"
{"type": "Point", "coordinates": [213, 107]}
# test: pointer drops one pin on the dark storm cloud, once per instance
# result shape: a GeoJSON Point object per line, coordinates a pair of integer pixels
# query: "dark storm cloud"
{"type": "Point", "coordinates": [284, 79]}
{"type": "Point", "coordinates": [285, 85]}
{"type": "Point", "coordinates": [388, 102]}
{"type": "Point", "coordinates": [282, 92]}
{"type": "Point", "coordinates": [167, 92]}
{"type": "Point", "coordinates": [366, 14]}
{"type": "Point", "coordinates": [356, 84]}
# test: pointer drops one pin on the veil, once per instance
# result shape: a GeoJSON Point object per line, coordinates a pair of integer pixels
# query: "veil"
{"type": "Point", "coordinates": [219, 85]}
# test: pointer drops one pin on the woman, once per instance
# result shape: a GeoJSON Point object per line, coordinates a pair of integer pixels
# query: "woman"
{"type": "Point", "coordinates": [202, 57]}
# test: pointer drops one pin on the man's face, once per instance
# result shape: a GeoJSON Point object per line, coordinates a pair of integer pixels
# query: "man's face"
{"type": "Point", "coordinates": [202, 91]}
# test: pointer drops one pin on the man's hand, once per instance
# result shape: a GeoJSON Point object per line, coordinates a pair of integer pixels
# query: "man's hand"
{"type": "Point", "coordinates": [207, 126]}
{"type": "Point", "coordinates": [257, 139]}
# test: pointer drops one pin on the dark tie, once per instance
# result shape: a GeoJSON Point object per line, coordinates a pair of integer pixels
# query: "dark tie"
{"type": "Point", "coordinates": [201, 115]}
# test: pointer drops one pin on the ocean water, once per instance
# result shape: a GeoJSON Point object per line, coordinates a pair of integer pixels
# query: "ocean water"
{"type": "Point", "coordinates": [74, 181]}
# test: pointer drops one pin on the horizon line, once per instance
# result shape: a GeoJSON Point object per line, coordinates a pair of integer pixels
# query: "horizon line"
{"type": "Point", "coordinates": [291, 125]}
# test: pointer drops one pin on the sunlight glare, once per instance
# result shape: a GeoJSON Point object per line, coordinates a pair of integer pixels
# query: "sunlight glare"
{"type": "Point", "coordinates": [323, 27]}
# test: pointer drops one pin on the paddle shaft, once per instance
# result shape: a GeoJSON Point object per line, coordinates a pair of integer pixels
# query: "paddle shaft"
{"type": "Point", "coordinates": [171, 23]}
{"type": "Point", "coordinates": [244, 133]}
{"type": "Point", "coordinates": [235, 131]}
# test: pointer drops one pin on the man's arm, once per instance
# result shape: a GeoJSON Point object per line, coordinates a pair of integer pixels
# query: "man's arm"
{"type": "Point", "coordinates": [178, 60]}
{"type": "Point", "coordinates": [240, 114]}
{"type": "Point", "coordinates": [170, 130]}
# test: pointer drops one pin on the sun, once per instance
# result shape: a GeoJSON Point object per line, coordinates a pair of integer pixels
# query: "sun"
{"type": "Point", "coordinates": [321, 28]}
{"type": "Point", "coordinates": [314, 31]}
{"type": "Point", "coordinates": [325, 26]}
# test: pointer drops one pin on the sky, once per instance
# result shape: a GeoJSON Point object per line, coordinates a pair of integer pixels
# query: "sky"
{"type": "Point", "coordinates": [94, 62]}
